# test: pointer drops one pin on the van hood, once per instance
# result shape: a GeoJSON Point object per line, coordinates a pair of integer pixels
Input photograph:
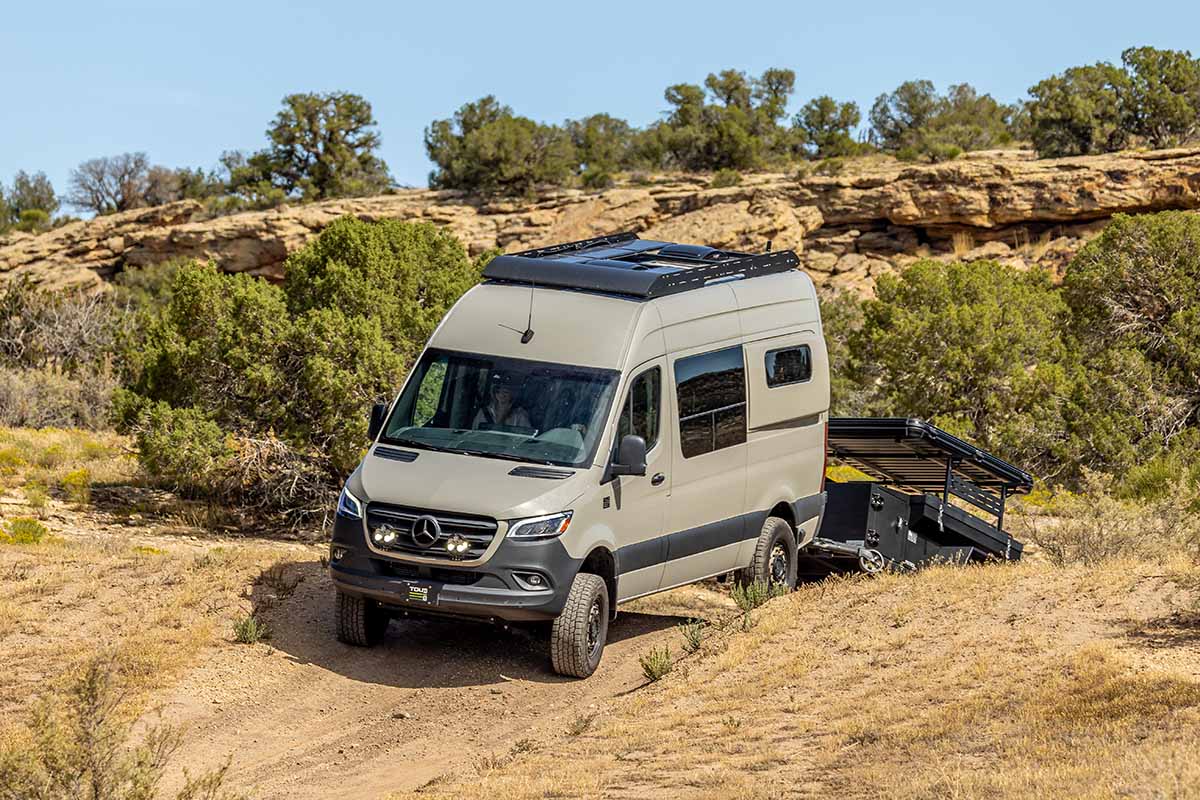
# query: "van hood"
{"type": "Point", "coordinates": [467, 484]}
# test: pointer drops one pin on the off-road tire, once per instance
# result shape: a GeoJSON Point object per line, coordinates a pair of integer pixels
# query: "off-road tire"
{"type": "Point", "coordinates": [572, 651]}
{"type": "Point", "coordinates": [360, 621]}
{"type": "Point", "coordinates": [775, 532]}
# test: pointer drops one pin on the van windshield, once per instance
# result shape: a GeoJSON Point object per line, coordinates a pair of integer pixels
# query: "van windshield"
{"type": "Point", "coordinates": [501, 407]}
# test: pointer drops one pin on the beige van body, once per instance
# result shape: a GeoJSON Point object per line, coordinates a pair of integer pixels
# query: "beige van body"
{"type": "Point", "coordinates": [713, 475]}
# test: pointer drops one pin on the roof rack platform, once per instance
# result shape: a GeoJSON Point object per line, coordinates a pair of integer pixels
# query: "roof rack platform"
{"type": "Point", "coordinates": [623, 264]}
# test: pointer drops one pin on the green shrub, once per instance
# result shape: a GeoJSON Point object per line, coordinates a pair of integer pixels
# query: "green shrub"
{"type": "Point", "coordinates": [81, 743]}
{"type": "Point", "coordinates": [978, 348]}
{"type": "Point", "coordinates": [749, 596]}
{"type": "Point", "coordinates": [915, 122]}
{"type": "Point", "coordinates": [1079, 112]}
{"type": "Point", "coordinates": [1134, 295]}
{"type": "Point", "coordinates": [656, 663]}
{"type": "Point", "coordinates": [593, 178]}
{"type": "Point", "coordinates": [405, 275]}
{"type": "Point", "coordinates": [11, 460]}
{"type": "Point", "coordinates": [1153, 97]}
{"type": "Point", "coordinates": [182, 448]}
{"type": "Point", "coordinates": [33, 220]}
{"type": "Point", "coordinates": [693, 635]}
{"type": "Point", "coordinates": [284, 375]}
{"type": "Point", "coordinates": [830, 166]}
{"type": "Point", "coordinates": [77, 486]}
{"type": "Point", "coordinates": [724, 178]}
{"type": "Point", "coordinates": [24, 530]}
{"type": "Point", "coordinates": [487, 148]}
{"type": "Point", "coordinates": [828, 127]}
{"type": "Point", "coordinates": [36, 496]}
{"type": "Point", "coordinates": [250, 630]}
{"type": "Point", "coordinates": [147, 287]}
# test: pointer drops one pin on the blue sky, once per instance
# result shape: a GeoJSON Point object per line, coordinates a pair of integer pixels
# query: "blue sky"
{"type": "Point", "coordinates": [184, 81]}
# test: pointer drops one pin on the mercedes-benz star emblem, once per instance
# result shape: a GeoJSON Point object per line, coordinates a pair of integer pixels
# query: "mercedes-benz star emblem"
{"type": "Point", "coordinates": [426, 531]}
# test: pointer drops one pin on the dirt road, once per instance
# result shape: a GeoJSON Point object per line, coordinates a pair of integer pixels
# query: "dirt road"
{"type": "Point", "coordinates": [305, 716]}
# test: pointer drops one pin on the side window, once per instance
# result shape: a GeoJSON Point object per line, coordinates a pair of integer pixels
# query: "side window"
{"type": "Point", "coordinates": [712, 401]}
{"type": "Point", "coordinates": [639, 416]}
{"type": "Point", "coordinates": [789, 365]}
{"type": "Point", "coordinates": [430, 394]}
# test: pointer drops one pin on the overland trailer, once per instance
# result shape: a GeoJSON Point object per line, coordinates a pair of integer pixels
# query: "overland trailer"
{"type": "Point", "coordinates": [904, 518]}
{"type": "Point", "coordinates": [602, 420]}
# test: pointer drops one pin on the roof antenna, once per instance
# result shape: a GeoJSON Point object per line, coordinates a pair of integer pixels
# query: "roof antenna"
{"type": "Point", "coordinates": [768, 246]}
{"type": "Point", "coordinates": [527, 336]}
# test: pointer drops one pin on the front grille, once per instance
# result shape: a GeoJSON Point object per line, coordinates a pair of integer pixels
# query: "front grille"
{"type": "Point", "coordinates": [477, 531]}
{"type": "Point", "coordinates": [396, 569]}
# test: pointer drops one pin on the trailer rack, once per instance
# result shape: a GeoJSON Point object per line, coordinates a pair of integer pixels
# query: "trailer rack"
{"type": "Point", "coordinates": [904, 517]}
{"type": "Point", "coordinates": [624, 265]}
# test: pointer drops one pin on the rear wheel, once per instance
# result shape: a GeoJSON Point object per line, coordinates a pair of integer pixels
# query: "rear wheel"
{"type": "Point", "coordinates": [774, 556]}
{"type": "Point", "coordinates": [578, 636]}
{"type": "Point", "coordinates": [360, 621]}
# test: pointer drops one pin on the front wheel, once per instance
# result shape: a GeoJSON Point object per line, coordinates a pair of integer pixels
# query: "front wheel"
{"type": "Point", "coordinates": [578, 635]}
{"type": "Point", "coordinates": [360, 621]}
{"type": "Point", "coordinates": [774, 556]}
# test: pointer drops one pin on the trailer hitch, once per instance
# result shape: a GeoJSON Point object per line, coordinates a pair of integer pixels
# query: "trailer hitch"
{"type": "Point", "coordinates": [869, 560]}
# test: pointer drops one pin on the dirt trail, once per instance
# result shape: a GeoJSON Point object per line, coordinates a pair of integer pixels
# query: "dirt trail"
{"type": "Point", "coordinates": [305, 716]}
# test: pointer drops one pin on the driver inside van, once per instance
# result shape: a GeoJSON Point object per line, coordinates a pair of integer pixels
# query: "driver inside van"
{"type": "Point", "coordinates": [502, 412]}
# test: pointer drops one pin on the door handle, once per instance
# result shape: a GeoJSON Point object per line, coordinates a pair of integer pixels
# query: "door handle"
{"type": "Point", "coordinates": [658, 479]}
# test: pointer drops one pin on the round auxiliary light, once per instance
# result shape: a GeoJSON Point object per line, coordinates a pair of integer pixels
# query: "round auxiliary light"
{"type": "Point", "coordinates": [457, 545]}
{"type": "Point", "coordinates": [378, 536]}
{"type": "Point", "coordinates": [389, 537]}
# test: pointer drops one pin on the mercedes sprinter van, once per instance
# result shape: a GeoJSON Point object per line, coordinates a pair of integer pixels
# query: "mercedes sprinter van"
{"type": "Point", "coordinates": [595, 422]}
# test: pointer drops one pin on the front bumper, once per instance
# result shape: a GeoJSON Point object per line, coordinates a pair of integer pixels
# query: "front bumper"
{"type": "Point", "coordinates": [488, 591]}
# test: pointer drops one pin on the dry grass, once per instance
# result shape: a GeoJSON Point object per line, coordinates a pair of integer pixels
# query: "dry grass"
{"type": "Point", "coordinates": [46, 456]}
{"type": "Point", "coordinates": [999, 681]}
{"type": "Point", "coordinates": [962, 242]}
{"type": "Point", "coordinates": [155, 607]}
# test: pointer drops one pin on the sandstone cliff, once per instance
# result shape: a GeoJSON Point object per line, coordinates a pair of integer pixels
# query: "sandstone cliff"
{"type": "Point", "coordinates": [873, 217]}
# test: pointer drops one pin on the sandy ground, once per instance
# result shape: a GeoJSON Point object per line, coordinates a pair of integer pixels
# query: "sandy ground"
{"type": "Point", "coordinates": [303, 715]}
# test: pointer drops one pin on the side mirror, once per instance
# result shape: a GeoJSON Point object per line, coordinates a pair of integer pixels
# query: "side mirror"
{"type": "Point", "coordinates": [378, 416]}
{"type": "Point", "coordinates": [631, 457]}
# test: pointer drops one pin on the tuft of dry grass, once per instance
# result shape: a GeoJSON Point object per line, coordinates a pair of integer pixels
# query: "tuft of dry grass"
{"type": "Point", "coordinates": [656, 663]}
{"type": "Point", "coordinates": [962, 242]}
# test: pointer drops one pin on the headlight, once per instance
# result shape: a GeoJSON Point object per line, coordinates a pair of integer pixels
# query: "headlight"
{"type": "Point", "coordinates": [546, 527]}
{"type": "Point", "coordinates": [349, 506]}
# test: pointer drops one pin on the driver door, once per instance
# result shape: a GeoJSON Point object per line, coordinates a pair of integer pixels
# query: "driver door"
{"type": "Point", "coordinates": [639, 502]}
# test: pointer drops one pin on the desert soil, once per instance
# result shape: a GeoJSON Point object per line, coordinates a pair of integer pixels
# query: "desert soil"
{"type": "Point", "coordinates": [305, 716]}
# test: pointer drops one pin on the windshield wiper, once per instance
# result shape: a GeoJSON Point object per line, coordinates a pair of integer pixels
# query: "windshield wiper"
{"type": "Point", "coordinates": [512, 457]}
{"type": "Point", "coordinates": [462, 451]}
{"type": "Point", "coordinates": [428, 446]}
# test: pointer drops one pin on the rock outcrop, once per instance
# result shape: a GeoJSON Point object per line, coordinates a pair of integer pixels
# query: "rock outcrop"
{"type": "Point", "coordinates": [873, 217]}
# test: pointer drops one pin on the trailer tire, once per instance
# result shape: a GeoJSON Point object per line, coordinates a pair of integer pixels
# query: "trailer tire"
{"type": "Point", "coordinates": [774, 556]}
{"type": "Point", "coordinates": [579, 633]}
{"type": "Point", "coordinates": [360, 621]}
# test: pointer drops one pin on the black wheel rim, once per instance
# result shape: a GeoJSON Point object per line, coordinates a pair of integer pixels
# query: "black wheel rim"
{"type": "Point", "coordinates": [594, 627]}
{"type": "Point", "coordinates": [778, 565]}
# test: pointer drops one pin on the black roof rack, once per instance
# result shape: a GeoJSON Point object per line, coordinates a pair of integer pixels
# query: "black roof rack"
{"type": "Point", "coordinates": [623, 264]}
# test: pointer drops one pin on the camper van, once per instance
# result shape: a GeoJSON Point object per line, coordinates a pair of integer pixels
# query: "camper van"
{"type": "Point", "coordinates": [594, 422]}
